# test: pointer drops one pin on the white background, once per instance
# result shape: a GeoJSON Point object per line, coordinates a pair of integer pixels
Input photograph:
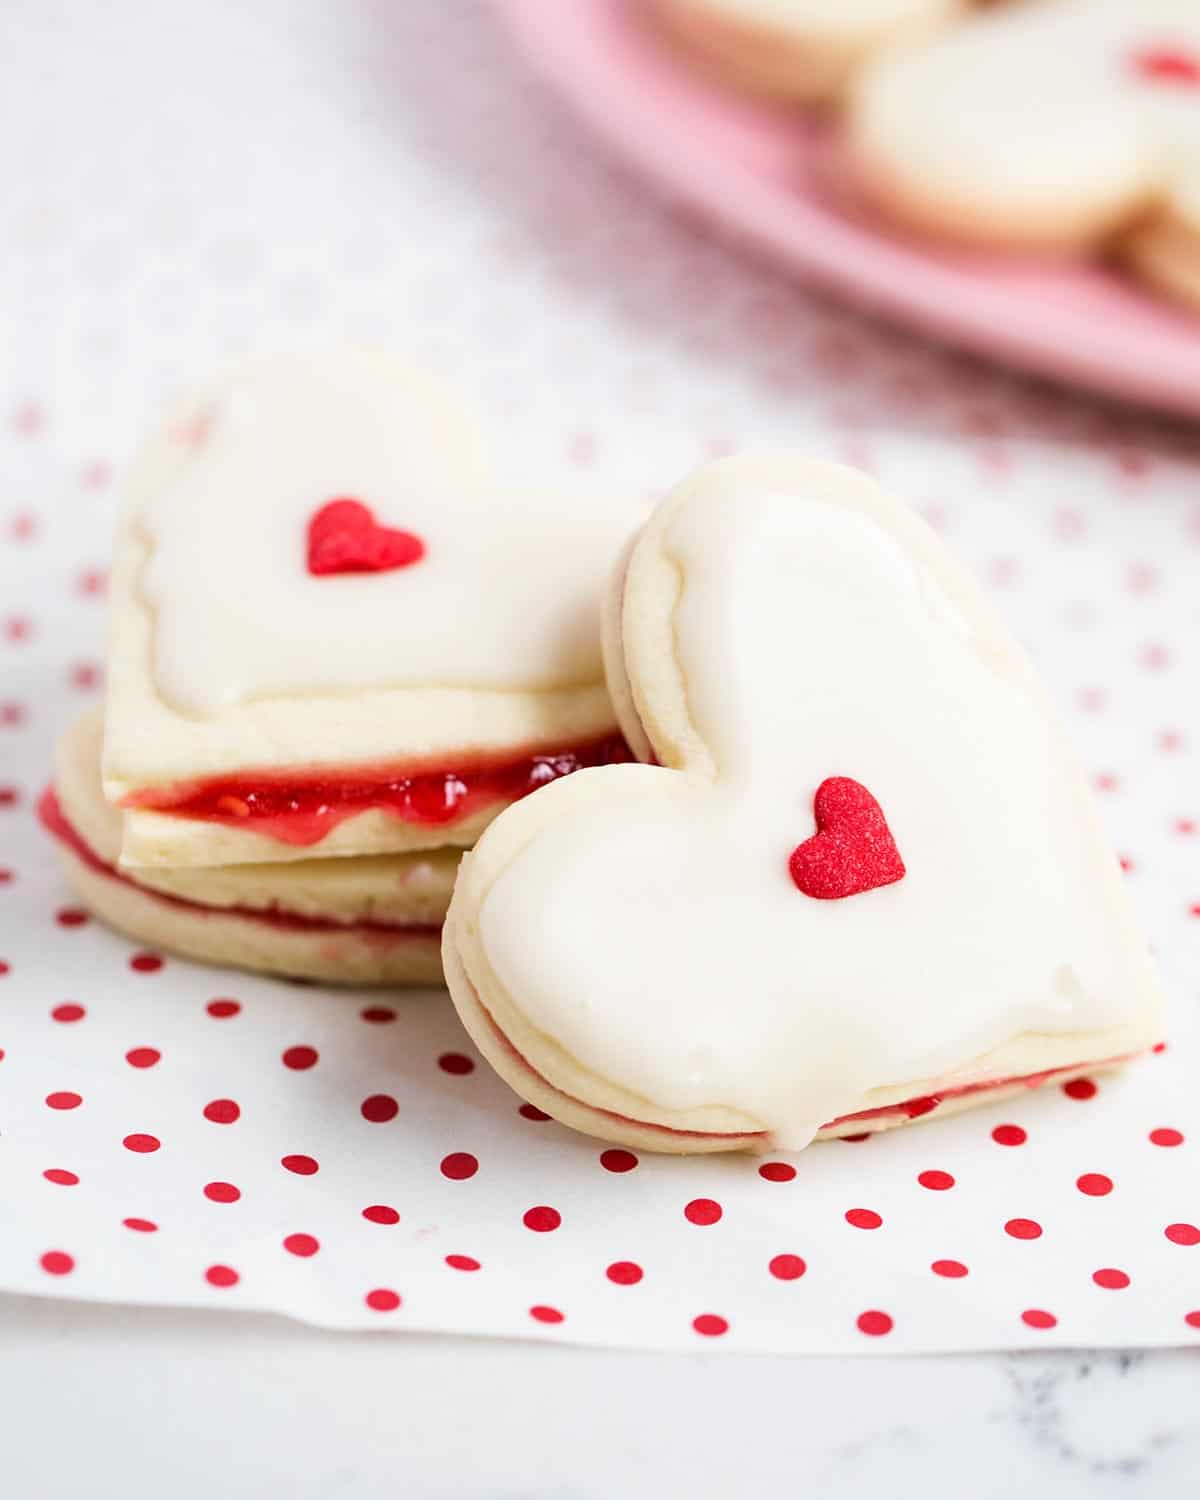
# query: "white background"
{"type": "Point", "coordinates": [182, 184]}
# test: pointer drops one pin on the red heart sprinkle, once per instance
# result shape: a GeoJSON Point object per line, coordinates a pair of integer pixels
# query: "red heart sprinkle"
{"type": "Point", "coordinates": [1166, 65]}
{"type": "Point", "coordinates": [344, 537]}
{"type": "Point", "coordinates": [852, 850]}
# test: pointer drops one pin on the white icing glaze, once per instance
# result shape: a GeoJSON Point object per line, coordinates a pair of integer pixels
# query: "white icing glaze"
{"type": "Point", "coordinates": [507, 596]}
{"type": "Point", "coordinates": [657, 936]}
{"type": "Point", "coordinates": [1031, 104]}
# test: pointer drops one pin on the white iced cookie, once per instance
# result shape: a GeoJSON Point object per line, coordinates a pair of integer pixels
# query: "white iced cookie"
{"type": "Point", "coordinates": [330, 635]}
{"type": "Point", "coordinates": [370, 920]}
{"type": "Point", "coordinates": [864, 882]}
{"type": "Point", "coordinates": [1054, 125]}
{"type": "Point", "coordinates": [798, 50]}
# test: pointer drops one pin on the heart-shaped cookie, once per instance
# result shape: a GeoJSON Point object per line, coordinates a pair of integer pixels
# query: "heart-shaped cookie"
{"type": "Point", "coordinates": [345, 537]}
{"type": "Point", "coordinates": [632, 948]}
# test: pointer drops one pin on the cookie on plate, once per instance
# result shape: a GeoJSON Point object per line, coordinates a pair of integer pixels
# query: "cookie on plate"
{"type": "Point", "coordinates": [1057, 125]}
{"type": "Point", "coordinates": [375, 919]}
{"type": "Point", "coordinates": [861, 881]}
{"type": "Point", "coordinates": [330, 635]}
{"type": "Point", "coordinates": [794, 50]}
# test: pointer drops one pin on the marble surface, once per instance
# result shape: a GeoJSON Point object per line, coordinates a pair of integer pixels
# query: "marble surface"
{"type": "Point", "coordinates": [195, 1405]}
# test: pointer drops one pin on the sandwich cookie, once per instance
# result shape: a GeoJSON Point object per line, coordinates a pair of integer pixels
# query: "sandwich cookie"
{"type": "Point", "coordinates": [860, 880]}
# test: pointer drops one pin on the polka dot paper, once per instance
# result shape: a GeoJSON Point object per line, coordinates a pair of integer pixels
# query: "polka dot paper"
{"type": "Point", "coordinates": [173, 1134]}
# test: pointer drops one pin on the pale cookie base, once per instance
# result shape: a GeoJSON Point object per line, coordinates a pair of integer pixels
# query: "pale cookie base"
{"type": "Point", "coordinates": [798, 53]}
{"type": "Point", "coordinates": [356, 956]}
{"type": "Point", "coordinates": [158, 841]}
{"type": "Point", "coordinates": [609, 1124]}
{"type": "Point", "coordinates": [411, 889]}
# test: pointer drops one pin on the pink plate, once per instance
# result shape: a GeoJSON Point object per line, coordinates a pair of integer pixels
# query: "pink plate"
{"type": "Point", "coordinates": [764, 173]}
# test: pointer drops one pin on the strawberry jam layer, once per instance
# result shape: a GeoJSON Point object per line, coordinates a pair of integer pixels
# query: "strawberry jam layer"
{"type": "Point", "coordinates": [909, 1109]}
{"type": "Point", "coordinates": [302, 810]}
{"type": "Point", "coordinates": [53, 819]}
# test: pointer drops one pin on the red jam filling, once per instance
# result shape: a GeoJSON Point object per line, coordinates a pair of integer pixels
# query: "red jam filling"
{"type": "Point", "coordinates": [52, 818]}
{"type": "Point", "coordinates": [302, 811]}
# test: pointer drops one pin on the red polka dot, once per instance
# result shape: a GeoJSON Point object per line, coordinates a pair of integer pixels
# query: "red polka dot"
{"type": "Point", "coordinates": [6, 875]}
{"type": "Point", "coordinates": [455, 1062]}
{"type": "Point", "coordinates": [703, 1211]}
{"type": "Point", "coordinates": [948, 1268]}
{"type": "Point", "coordinates": [462, 1262]}
{"type": "Point", "coordinates": [90, 583]}
{"type": "Point", "coordinates": [545, 1314]}
{"type": "Point", "coordinates": [145, 963]}
{"type": "Point", "coordinates": [1159, 1047]}
{"type": "Point", "coordinates": [378, 1015]}
{"type": "Point", "coordinates": [1079, 1088]}
{"type": "Point", "coordinates": [1023, 1229]}
{"type": "Point", "coordinates": [143, 1226]}
{"type": "Point", "coordinates": [1036, 1317]}
{"type": "Point", "coordinates": [64, 1099]}
{"type": "Point", "coordinates": [616, 1160]}
{"type": "Point", "coordinates": [1166, 1137]}
{"type": "Point", "coordinates": [12, 714]}
{"type": "Point", "coordinates": [1094, 1184]}
{"type": "Point", "coordinates": [863, 1218]}
{"type": "Point", "coordinates": [303, 1166]}
{"type": "Point", "coordinates": [57, 1262]}
{"type": "Point", "coordinates": [936, 1181]}
{"type": "Point", "coordinates": [142, 1057]}
{"type": "Point", "coordinates": [711, 1325]}
{"type": "Point", "coordinates": [300, 1058]}
{"type": "Point", "coordinates": [302, 1245]}
{"type": "Point", "coordinates": [541, 1219]}
{"type": "Point", "coordinates": [1110, 1278]}
{"type": "Point", "coordinates": [786, 1267]}
{"type": "Point", "coordinates": [68, 1012]}
{"type": "Point", "coordinates": [9, 796]}
{"type": "Point", "coordinates": [381, 1213]}
{"type": "Point", "coordinates": [141, 1143]}
{"type": "Point", "coordinates": [221, 1010]}
{"type": "Point", "coordinates": [61, 1176]}
{"type": "Point", "coordinates": [459, 1165]}
{"type": "Point", "coordinates": [1192, 1319]}
{"type": "Point", "coordinates": [222, 1111]}
{"type": "Point", "coordinates": [70, 916]}
{"type": "Point", "coordinates": [221, 1276]}
{"type": "Point", "coordinates": [777, 1171]}
{"type": "Point", "coordinates": [382, 1299]}
{"type": "Point", "coordinates": [624, 1272]}
{"type": "Point", "coordinates": [532, 1112]}
{"type": "Point", "coordinates": [1009, 1135]}
{"type": "Point", "coordinates": [874, 1322]}
{"type": "Point", "coordinates": [379, 1109]}
{"type": "Point", "coordinates": [1182, 1234]}
{"type": "Point", "coordinates": [222, 1192]}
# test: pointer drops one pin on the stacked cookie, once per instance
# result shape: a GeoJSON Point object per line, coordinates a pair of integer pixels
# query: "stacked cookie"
{"type": "Point", "coordinates": [335, 653]}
